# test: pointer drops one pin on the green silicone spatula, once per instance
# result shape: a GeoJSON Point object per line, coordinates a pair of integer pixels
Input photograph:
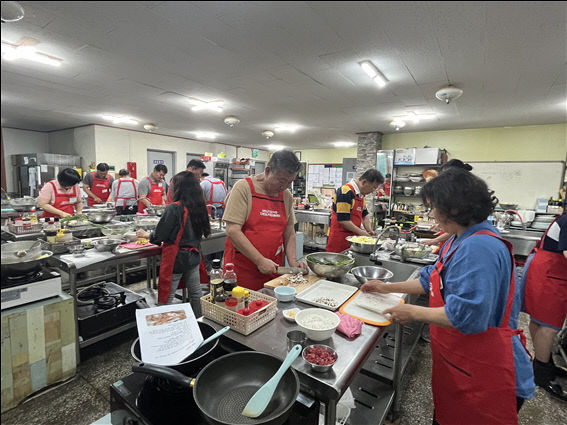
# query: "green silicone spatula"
{"type": "Point", "coordinates": [259, 401]}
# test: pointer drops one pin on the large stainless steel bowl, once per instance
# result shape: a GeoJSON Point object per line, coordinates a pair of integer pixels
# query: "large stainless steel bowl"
{"type": "Point", "coordinates": [155, 210]}
{"type": "Point", "coordinates": [101, 216]}
{"type": "Point", "coordinates": [363, 248]}
{"type": "Point", "coordinates": [23, 204]}
{"type": "Point", "coordinates": [117, 229]}
{"type": "Point", "coordinates": [106, 244]}
{"type": "Point", "coordinates": [364, 273]}
{"type": "Point", "coordinates": [316, 260]}
{"type": "Point", "coordinates": [15, 266]}
{"type": "Point", "coordinates": [9, 250]}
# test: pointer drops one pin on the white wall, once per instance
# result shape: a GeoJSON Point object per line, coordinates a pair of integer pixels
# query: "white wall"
{"type": "Point", "coordinates": [21, 141]}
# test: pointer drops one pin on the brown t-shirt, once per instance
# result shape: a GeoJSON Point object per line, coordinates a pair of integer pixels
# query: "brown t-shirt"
{"type": "Point", "coordinates": [239, 202]}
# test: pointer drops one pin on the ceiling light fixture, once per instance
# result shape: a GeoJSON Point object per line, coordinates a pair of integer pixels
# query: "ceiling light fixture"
{"type": "Point", "coordinates": [343, 144]}
{"type": "Point", "coordinates": [231, 121]}
{"type": "Point", "coordinates": [202, 105]}
{"type": "Point", "coordinates": [446, 94]}
{"type": "Point", "coordinates": [373, 72]}
{"type": "Point", "coordinates": [275, 147]}
{"type": "Point", "coordinates": [413, 117]}
{"type": "Point", "coordinates": [150, 127]}
{"type": "Point", "coordinates": [287, 128]}
{"type": "Point", "coordinates": [268, 134]}
{"type": "Point", "coordinates": [12, 11]}
{"type": "Point", "coordinates": [397, 124]}
{"type": "Point", "coordinates": [120, 120]}
{"type": "Point", "coordinates": [26, 50]}
{"type": "Point", "coordinates": [205, 134]}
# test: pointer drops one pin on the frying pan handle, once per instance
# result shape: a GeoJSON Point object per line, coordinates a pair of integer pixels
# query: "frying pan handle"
{"type": "Point", "coordinates": [163, 372]}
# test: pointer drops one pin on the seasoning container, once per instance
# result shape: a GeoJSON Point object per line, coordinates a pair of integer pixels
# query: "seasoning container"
{"type": "Point", "coordinates": [246, 298]}
{"type": "Point", "coordinates": [238, 293]}
{"type": "Point", "coordinates": [216, 282]}
{"type": "Point", "coordinates": [229, 278]}
{"type": "Point", "coordinates": [231, 303]}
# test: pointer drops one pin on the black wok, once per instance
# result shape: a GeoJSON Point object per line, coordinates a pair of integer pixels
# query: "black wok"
{"type": "Point", "coordinates": [224, 386]}
{"type": "Point", "coordinates": [196, 360]}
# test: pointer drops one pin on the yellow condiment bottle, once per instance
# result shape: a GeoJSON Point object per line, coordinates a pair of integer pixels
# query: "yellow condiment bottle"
{"type": "Point", "coordinates": [238, 293]}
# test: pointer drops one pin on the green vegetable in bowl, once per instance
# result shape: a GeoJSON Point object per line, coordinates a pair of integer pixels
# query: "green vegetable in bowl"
{"type": "Point", "coordinates": [78, 217]}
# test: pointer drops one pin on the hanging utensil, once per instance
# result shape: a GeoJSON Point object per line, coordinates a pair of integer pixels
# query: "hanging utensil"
{"type": "Point", "coordinates": [259, 401]}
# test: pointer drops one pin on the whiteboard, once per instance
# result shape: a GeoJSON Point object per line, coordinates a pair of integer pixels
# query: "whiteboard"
{"type": "Point", "coordinates": [521, 182]}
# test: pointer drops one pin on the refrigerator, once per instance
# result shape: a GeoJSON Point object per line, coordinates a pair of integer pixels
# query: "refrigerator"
{"type": "Point", "coordinates": [33, 170]}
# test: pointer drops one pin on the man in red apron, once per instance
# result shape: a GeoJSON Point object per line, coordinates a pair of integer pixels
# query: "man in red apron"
{"type": "Point", "coordinates": [215, 195]}
{"type": "Point", "coordinates": [125, 193]}
{"type": "Point", "coordinates": [260, 222]}
{"type": "Point", "coordinates": [196, 167]}
{"type": "Point", "coordinates": [481, 368]}
{"type": "Point", "coordinates": [545, 301]}
{"type": "Point", "coordinates": [152, 189]}
{"type": "Point", "coordinates": [97, 185]}
{"type": "Point", "coordinates": [349, 210]}
{"type": "Point", "coordinates": [60, 197]}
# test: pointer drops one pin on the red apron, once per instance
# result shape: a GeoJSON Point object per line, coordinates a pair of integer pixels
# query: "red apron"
{"type": "Point", "coordinates": [264, 229]}
{"type": "Point", "coordinates": [337, 235]}
{"type": "Point", "coordinates": [125, 198]}
{"type": "Point", "coordinates": [474, 376]}
{"type": "Point", "coordinates": [546, 286]}
{"type": "Point", "coordinates": [100, 188]}
{"type": "Point", "coordinates": [210, 202]}
{"type": "Point", "coordinates": [169, 196]}
{"type": "Point", "coordinates": [63, 201]}
{"type": "Point", "coordinates": [168, 256]}
{"type": "Point", "coordinates": [155, 195]}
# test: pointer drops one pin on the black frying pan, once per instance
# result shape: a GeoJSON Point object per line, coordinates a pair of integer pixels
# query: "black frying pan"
{"type": "Point", "coordinates": [224, 386]}
{"type": "Point", "coordinates": [195, 361]}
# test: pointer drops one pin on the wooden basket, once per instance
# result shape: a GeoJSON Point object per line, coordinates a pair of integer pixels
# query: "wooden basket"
{"type": "Point", "coordinates": [238, 322]}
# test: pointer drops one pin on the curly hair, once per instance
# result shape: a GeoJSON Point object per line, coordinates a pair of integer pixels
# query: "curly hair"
{"type": "Point", "coordinates": [460, 196]}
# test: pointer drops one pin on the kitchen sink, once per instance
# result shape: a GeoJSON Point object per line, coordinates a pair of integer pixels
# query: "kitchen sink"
{"type": "Point", "coordinates": [523, 241]}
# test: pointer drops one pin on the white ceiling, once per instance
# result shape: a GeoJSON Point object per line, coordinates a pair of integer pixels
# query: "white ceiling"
{"type": "Point", "coordinates": [293, 62]}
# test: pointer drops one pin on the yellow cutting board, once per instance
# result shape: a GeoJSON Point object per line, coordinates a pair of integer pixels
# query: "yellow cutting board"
{"type": "Point", "coordinates": [279, 281]}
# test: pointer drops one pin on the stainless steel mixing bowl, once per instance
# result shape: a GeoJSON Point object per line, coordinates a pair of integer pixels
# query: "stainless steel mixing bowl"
{"type": "Point", "coordinates": [364, 273]}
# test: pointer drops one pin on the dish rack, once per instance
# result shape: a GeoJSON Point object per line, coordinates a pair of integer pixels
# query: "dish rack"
{"type": "Point", "coordinates": [238, 322]}
{"type": "Point", "coordinates": [22, 230]}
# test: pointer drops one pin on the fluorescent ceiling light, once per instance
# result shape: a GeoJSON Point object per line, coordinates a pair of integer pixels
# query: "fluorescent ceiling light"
{"type": "Point", "coordinates": [373, 72]}
{"type": "Point", "coordinates": [275, 147]}
{"type": "Point", "coordinates": [289, 128]}
{"type": "Point", "coordinates": [343, 144]}
{"type": "Point", "coordinates": [202, 105]}
{"type": "Point", "coordinates": [205, 134]}
{"type": "Point", "coordinates": [12, 52]}
{"type": "Point", "coordinates": [120, 120]}
{"type": "Point", "coordinates": [414, 118]}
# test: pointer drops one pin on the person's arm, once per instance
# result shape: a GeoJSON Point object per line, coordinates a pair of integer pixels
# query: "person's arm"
{"type": "Point", "coordinates": [367, 225]}
{"type": "Point", "coordinates": [143, 190]}
{"type": "Point", "coordinates": [290, 246]}
{"type": "Point", "coordinates": [110, 183]}
{"type": "Point", "coordinates": [79, 205]}
{"type": "Point", "coordinates": [242, 244]}
{"type": "Point", "coordinates": [349, 226]}
{"type": "Point", "coordinates": [407, 287]}
{"type": "Point", "coordinates": [438, 240]}
{"type": "Point", "coordinates": [407, 313]}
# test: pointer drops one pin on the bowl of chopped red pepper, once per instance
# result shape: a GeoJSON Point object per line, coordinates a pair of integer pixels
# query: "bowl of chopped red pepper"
{"type": "Point", "coordinates": [321, 358]}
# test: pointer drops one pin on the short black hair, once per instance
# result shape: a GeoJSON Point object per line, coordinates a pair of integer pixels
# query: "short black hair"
{"type": "Point", "coordinates": [373, 176]}
{"type": "Point", "coordinates": [161, 167]}
{"type": "Point", "coordinates": [196, 163]}
{"type": "Point", "coordinates": [68, 177]}
{"type": "Point", "coordinates": [455, 163]}
{"type": "Point", "coordinates": [103, 166]}
{"type": "Point", "coordinates": [284, 160]}
{"type": "Point", "coordinates": [460, 196]}
{"type": "Point", "coordinates": [123, 172]}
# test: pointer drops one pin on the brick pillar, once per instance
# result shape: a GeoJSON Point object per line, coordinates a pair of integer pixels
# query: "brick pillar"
{"type": "Point", "coordinates": [369, 144]}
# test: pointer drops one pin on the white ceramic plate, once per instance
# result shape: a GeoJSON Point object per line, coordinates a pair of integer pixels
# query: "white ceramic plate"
{"type": "Point", "coordinates": [327, 289]}
{"type": "Point", "coordinates": [287, 316]}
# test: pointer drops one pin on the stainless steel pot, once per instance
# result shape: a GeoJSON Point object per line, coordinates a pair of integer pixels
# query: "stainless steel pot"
{"type": "Point", "coordinates": [30, 263]}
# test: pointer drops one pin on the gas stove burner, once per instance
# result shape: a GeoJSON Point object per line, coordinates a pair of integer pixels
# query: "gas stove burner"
{"type": "Point", "coordinates": [105, 302]}
{"type": "Point", "coordinates": [24, 278]}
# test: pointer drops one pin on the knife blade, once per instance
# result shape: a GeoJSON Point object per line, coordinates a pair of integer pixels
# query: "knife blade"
{"type": "Point", "coordinates": [291, 270]}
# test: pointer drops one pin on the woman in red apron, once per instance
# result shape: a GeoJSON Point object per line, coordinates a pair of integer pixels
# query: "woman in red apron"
{"type": "Point", "coordinates": [60, 198]}
{"type": "Point", "coordinates": [180, 230]}
{"type": "Point", "coordinates": [349, 210]}
{"type": "Point", "coordinates": [545, 301]}
{"type": "Point", "coordinates": [481, 368]}
{"type": "Point", "coordinates": [99, 190]}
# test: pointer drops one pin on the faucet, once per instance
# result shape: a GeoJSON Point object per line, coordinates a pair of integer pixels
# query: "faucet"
{"type": "Point", "coordinates": [519, 216]}
{"type": "Point", "coordinates": [373, 255]}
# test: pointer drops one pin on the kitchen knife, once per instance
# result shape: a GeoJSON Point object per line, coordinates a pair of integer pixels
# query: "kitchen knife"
{"type": "Point", "coordinates": [291, 270]}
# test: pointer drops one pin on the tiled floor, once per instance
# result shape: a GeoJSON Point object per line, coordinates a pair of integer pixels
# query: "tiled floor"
{"type": "Point", "coordinates": [85, 398]}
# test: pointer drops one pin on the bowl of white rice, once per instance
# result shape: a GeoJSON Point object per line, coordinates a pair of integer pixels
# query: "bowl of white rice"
{"type": "Point", "coordinates": [317, 323]}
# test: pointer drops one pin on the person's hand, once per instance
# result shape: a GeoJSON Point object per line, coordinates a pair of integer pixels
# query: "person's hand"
{"type": "Point", "coordinates": [267, 266]}
{"type": "Point", "coordinates": [97, 200]}
{"type": "Point", "coordinates": [364, 233]}
{"type": "Point", "coordinates": [64, 214]}
{"type": "Point", "coordinates": [141, 233]}
{"type": "Point", "coordinates": [375, 286]}
{"type": "Point", "coordinates": [372, 233]}
{"type": "Point", "coordinates": [429, 241]}
{"type": "Point", "coordinates": [300, 265]}
{"type": "Point", "coordinates": [402, 313]}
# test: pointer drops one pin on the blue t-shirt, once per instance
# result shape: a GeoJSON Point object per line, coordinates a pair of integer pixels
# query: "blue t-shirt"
{"type": "Point", "coordinates": [476, 282]}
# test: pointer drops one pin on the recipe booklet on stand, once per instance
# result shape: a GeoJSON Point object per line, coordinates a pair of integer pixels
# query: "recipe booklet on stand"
{"type": "Point", "coordinates": [168, 333]}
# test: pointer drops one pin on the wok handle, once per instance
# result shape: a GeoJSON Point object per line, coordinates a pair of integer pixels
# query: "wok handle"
{"type": "Point", "coordinates": [163, 372]}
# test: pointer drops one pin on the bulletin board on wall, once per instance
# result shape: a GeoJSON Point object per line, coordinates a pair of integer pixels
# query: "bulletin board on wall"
{"type": "Point", "coordinates": [319, 175]}
{"type": "Point", "coordinates": [521, 182]}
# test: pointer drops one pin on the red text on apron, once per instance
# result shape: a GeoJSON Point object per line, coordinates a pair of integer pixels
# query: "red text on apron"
{"type": "Point", "coordinates": [125, 198]}
{"type": "Point", "coordinates": [264, 229]}
{"type": "Point", "coordinates": [63, 201]}
{"type": "Point", "coordinates": [474, 376]}
{"type": "Point", "coordinates": [100, 188]}
{"type": "Point", "coordinates": [546, 286]}
{"type": "Point", "coordinates": [155, 195]}
{"type": "Point", "coordinates": [210, 202]}
{"type": "Point", "coordinates": [337, 235]}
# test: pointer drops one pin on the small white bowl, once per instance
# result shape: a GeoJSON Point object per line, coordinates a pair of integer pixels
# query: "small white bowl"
{"type": "Point", "coordinates": [285, 293]}
{"type": "Point", "coordinates": [287, 314]}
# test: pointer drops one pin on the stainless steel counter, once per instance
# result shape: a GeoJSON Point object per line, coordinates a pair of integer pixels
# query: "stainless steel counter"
{"type": "Point", "coordinates": [523, 241]}
{"type": "Point", "coordinates": [313, 216]}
